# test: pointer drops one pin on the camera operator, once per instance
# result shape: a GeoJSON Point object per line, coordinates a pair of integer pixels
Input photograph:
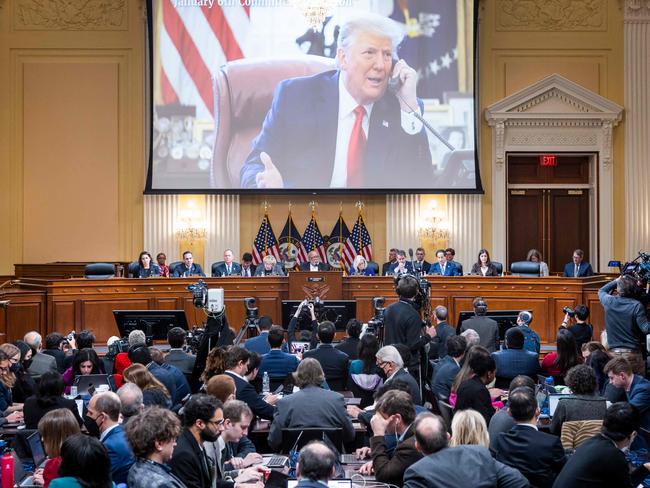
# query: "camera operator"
{"type": "Point", "coordinates": [301, 319]}
{"type": "Point", "coordinates": [626, 322]}
{"type": "Point", "coordinates": [402, 323]}
{"type": "Point", "coordinates": [581, 330]}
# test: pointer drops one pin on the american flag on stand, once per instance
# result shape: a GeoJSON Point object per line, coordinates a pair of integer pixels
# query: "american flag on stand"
{"type": "Point", "coordinates": [338, 236]}
{"type": "Point", "coordinates": [265, 242]}
{"type": "Point", "coordinates": [195, 41]}
{"type": "Point", "coordinates": [291, 248]}
{"type": "Point", "coordinates": [312, 239]}
{"type": "Point", "coordinates": [359, 242]}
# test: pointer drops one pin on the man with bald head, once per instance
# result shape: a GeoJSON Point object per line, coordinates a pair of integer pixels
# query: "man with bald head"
{"type": "Point", "coordinates": [316, 465]}
{"type": "Point", "coordinates": [314, 263]}
{"type": "Point", "coordinates": [439, 467]}
{"type": "Point", "coordinates": [104, 413]}
{"type": "Point", "coordinates": [41, 363]}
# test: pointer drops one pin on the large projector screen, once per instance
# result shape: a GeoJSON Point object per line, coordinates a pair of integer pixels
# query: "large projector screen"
{"type": "Point", "coordinates": [247, 97]}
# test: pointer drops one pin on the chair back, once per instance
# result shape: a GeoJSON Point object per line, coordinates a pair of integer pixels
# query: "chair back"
{"type": "Point", "coordinates": [133, 269]}
{"type": "Point", "coordinates": [374, 266]}
{"type": "Point", "coordinates": [214, 268]}
{"type": "Point", "coordinates": [499, 267]}
{"type": "Point", "coordinates": [99, 270]}
{"type": "Point", "coordinates": [297, 438]}
{"type": "Point", "coordinates": [446, 412]}
{"type": "Point", "coordinates": [524, 268]}
{"type": "Point", "coordinates": [243, 92]}
{"type": "Point", "coordinates": [576, 432]}
{"type": "Point", "coordinates": [173, 266]}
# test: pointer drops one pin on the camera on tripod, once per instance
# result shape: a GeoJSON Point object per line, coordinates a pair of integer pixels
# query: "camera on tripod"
{"type": "Point", "coordinates": [376, 323]}
{"type": "Point", "coordinates": [252, 312]}
{"type": "Point", "coordinates": [211, 300]}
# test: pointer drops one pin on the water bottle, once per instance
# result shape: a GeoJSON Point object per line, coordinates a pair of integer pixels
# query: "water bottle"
{"type": "Point", "coordinates": [266, 384]}
{"type": "Point", "coordinates": [7, 467]}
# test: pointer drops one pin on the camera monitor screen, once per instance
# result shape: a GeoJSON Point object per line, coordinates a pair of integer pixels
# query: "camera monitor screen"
{"type": "Point", "coordinates": [336, 311]}
{"type": "Point", "coordinates": [504, 318]}
{"type": "Point", "coordinates": [248, 96]}
{"type": "Point", "coordinates": [154, 323]}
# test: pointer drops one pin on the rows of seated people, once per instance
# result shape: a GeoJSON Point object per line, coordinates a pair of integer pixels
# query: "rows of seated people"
{"type": "Point", "coordinates": [165, 426]}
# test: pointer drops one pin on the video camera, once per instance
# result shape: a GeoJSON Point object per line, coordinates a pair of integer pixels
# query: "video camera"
{"type": "Point", "coordinates": [376, 323]}
{"type": "Point", "coordinates": [211, 300]}
{"type": "Point", "coordinates": [252, 312]}
{"type": "Point", "coordinates": [639, 269]}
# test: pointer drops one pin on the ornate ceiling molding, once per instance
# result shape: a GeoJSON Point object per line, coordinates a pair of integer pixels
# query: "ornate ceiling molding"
{"type": "Point", "coordinates": [551, 15]}
{"type": "Point", "coordinates": [77, 15]}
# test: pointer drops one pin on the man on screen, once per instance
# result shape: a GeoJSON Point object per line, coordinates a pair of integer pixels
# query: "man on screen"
{"type": "Point", "coordinates": [346, 126]}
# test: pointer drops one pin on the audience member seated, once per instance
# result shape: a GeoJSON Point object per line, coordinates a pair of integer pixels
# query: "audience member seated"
{"type": "Point", "coordinates": [502, 421]}
{"type": "Point", "coordinates": [621, 375]}
{"type": "Point", "coordinates": [146, 267]}
{"type": "Point", "coordinates": [448, 367]}
{"type": "Point", "coordinates": [452, 467]}
{"type": "Point", "coordinates": [152, 435]}
{"type": "Point", "coordinates": [468, 428]}
{"type": "Point", "coordinates": [83, 340]}
{"type": "Point", "coordinates": [391, 363]}
{"type": "Point", "coordinates": [214, 363]}
{"type": "Point", "coordinates": [316, 465]}
{"type": "Point", "coordinates": [84, 462]}
{"type": "Point", "coordinates": [153, 391]}
{"type": "Point", "coordinates": [557, 364]}
{"type": "Point", "coordinates": [236, 364]}
{"type": "Point", "coordinates": [438, 344]}
{"type": "Point", "coordinates": [222, 387]}
{"type": "Point", "coordinates": [254, 362]}
{"type": "Point", "coordinates": [269, 267]}
{"type": "Point", "coordinates": [276, 363]}
{"type": "Point", "coordinates": [531, 338]}
{"type": "Point", "coordinates": [578, 268]}
{"type": "Point", "coordinates": [514, 360]}
{"type": "Point", "coordinates": [55, 427]}
{"type": "Point", "coordinates": [141, 355]}
{"type": "Point", "coordinates": [48, 397]}
{"type": "Point", "coordinates": [326, 408]}
{"type": "Point", "coordinates": [304, 319]}
{"type": "Point", "coordinates": [350, 345]}
{"type": "Point", "coordinates": [600, 462]}
{"type": "Point", "coordinates": [537, 455]}
{"type": "Point", "coordinates": [188, 267]}
{"type": "Point", "coordinates": [486, 328]}
{"type": "Point", "coordinates": [104, 413]}
{"type": "Point", "coordinates": [394, 414]}
{"type": "Point", "coordinates": [23, 384]}
{"type": "Point", "coordinates": [392, 258]}
{"type": "Point", "coordinates": [247, 266]}
{"type": "Point", "coordinates": [473, 393]}
{"type": "Point", "coordinates": [365, 375]}
{"type": "Point", "coordinates": [176, 337]}
{"type": "Point", "coordinates": [86, 362]}
{"type": "Point", "coordinates": [136, 339]}
{"type": "Point", "coordinates": [314, 263]}
{"type": "Point", "coordinates": [483, 266]}
{"type": "Point", "coordinates": [536, 257]}
{"type": "Point", "coordinates": [360, 267]}
{"type": "Point", "coordinates": [581, 330]}
{"type": "Point", "coordinates": [161, 260]}
{"type": "Point", "coordinates": [597, 361]}
{"type": "Point", "coordinates": [335, 363]}
{"type": "Point", "coordinates": [55, 346]}
{"type": "Point", "coordinates": [260, 343]}
{"type": "Point", "coordinates": [182, 385]}
{"type": "Point", "coordinates": [131, 401]}
{"type": "Point", "coordinates": [583, 404]}
{"type": "Point", "coordinates": [7, 381]}
{"type": "Point", "coordinates": [40, 362]}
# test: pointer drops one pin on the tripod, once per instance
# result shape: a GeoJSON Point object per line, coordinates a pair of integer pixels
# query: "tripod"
{"type": "Point", "coordinates": [247, 328]}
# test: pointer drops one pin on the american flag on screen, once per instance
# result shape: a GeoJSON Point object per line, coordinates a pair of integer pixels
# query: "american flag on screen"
{"type": "Point", "coordinates": [359, 242]}
{"type": "Point", "coordinates": [312, 239]}
{"type": "Point", "coordinates": [195, 41]}
{"type": "Point", "coordinates": [265, 242]}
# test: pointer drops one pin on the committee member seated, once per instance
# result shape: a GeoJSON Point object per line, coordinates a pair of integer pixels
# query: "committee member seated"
{"type": "Point", "coordinates": [229, 267]}
{"type": "Point", "coordinates": [420, 264]}
{"type": "Point", "coordinates": [514, 360]}
{"type": "Point", "coordinates": [578, 268]}
{"type": "Point", "coordinates": [247, 266]}
{"type": "Point", "coordinates": [392, 258]}
{"type": "Point", "coordinates": [483, 266]}
{"type": "Point", "coordinates": [450, 254]}
{"type": "Point", "coordinates": [314, 263]}
{"type": "Point", "coordinates": [161, 259]}
{"type": "Point", "coordinates": [312, 406]}
{"type": "Point", "coordinates": [360, 267]}
{"type": "Point", "coordinates": [188, 267]}
{"type": "Point", "coordinates": [442, 266]}
{"type": "Point", "coordinates": [334, 362]}
{"type": "Point", "coordinates": [346, 123]}
{"type": "Point", "coordinates": [486, 328]}
{"type": "Point", "coordinates": [536, 257]}
{"type": "Point", "coordinates": [401, 265]}
{"type": "Point", "coordinates": [146, 268]}
{"type": "Point", "coordinates": [269, 267]}
{"type": "Point", "coordinates": [537, 455]}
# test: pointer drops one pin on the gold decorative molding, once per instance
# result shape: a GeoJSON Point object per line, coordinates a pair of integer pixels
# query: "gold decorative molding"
{"type": "Point", "coordinates": [78, 15]}
{"type": "Point", "coordinates": [637, 11]}
{"type": "Point", "coordinates": [551, 15]}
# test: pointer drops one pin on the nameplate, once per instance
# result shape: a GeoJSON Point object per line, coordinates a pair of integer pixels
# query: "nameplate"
{"type": "Point", "coordinates": [315, 279]}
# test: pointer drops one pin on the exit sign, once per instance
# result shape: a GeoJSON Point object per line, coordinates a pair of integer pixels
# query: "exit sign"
{"type": "Point", "coordinates": [548, 160]}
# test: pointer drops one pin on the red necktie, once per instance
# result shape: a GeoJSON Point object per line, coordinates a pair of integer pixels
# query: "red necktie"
{"type": "Point", "coordinates": [356, 149]}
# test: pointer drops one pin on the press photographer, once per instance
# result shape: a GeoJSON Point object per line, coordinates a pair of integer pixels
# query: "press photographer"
{"type": "Point", "coordinates": [304, 319]}
{"type": "Point", "coordinates": [581, 329]}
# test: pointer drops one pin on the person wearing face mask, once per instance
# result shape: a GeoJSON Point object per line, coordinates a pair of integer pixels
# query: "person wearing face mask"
{"type": "Point", "coordinates": [391, 364]}
{"type": "Point", "coordinates": [7, 382]}
{"type": "Point", "coordinates": [24, 387]}
{"type": "Point", "coordinates": [394, 414]}
{"type": "Point", "coordinates": [600, 462]}
{"type": "Point", "coordinates": [103, 416]}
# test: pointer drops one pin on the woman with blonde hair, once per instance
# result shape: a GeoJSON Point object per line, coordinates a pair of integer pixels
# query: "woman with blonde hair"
{"type": "Point", "coordinates": [7, 382]}
{"type": "Point", "coordinates": [153, 391]}
{"type": "Point", "coordinates": [23, 384]}
{"type": "Point", "coordinates": [360, 267]}
{"type": "Point", "coordinates": [469, 428]}
{"type": "Point", "coordinates": [55, 427]}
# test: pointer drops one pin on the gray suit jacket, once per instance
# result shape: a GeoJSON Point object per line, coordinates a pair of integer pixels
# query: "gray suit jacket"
{"type": "Point", "coordinates": [310, 407]}
{"type": "Point", "coordinates": [479, 470]}
{"type": "Point", "coordinates": [41, 363]}
{"type": "Point", "coordinates": [276, 271]}
{"type": "Point", "coordinates": [182, 360]}
{"type": "Point", "coordinates": [487, 329]}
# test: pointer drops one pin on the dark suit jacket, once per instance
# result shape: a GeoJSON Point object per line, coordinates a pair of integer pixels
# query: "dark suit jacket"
{"type": "Point", "coordinates": [166, 378]}
{"type": "Point", "coordinates": [305, 110]}
{"type": "Point", "coordinates": [259, 344]}
{"type": "Point", "coordinates": [386, 266]}
{"type": "Point", "coordinates": [180, 381]}
{"type": "Point", "coordinates": [390, 469]}
{"type": "Point", "coordinates": [59, 357]}
{"type": "Point", "coordinates": [487, 329]}
{"type": "Point", "coordinates": [537, 455]}
{"type": "Point", "coordinates": [335, 364]}
{"type": "Point", "coordinates": [473, 394]}
{"type": "Point", "coordinates": [583, 270]}
{"type": "Point", "coordinates": [186, 462]}
{"type": "Point", "coordinates": [321, 266]}
{"type": "Point", "coordinates": [42, 363]}
{"type": "Point", "coordinates": [276, 271]}
{"type": "Point", "coordinates": [119, 452]}
{"type": "Point", "coordinates": [406, 377]}
{"type": "Point", "coordinates": [221, 270]}
{"type": "Point", "coordinates": [439, 342]}
{"type": "Point", "coordinates": [402, 325]}
{"type": "Point", "coordinates": [182, 360]}
{"type": "Point", "coordinates": [426, 266]}
{"type": "Point", "coordinates": [278, 364]}
{"type": "Point", "coordinates": [247, 394]}
{"type": "Point", "coordinates": [639, 396]}
{"type": "Point", "coordinates": [350, 347]}
{"type": "Point", "coordinates": [252, 270]}
{"type": "Point", "coordinates": [182, 271]}
{"type": "Point", "coordinates": [491, 271]}
{"type": "Point", "coordinates": [35, 412]}
{"type": "Point", "coordinates": [450, 269]}
{"type": "Point", "coordinates": [513, 362]}
{"type": "Point", "coordinates": [407, 265]}
{"type": "Point", "coordinates": [444, 377]}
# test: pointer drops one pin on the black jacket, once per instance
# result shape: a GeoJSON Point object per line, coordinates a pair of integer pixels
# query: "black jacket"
{"type": "Point", "coordinates": [473, 394]}
{"type": "Point", "coordinates": [34, 411]}
{"type": "Point", "coordinates": [247, 394]}
{"type": "Point", "coordinates": [439, 343]}
{"type": "Point", "coordinates": [402, 325]}
{"type": "Point", "coordinates": [335, 365]}
{"type": "Point", "coordinates": [189, 462]}
{"type": "Point", "coordinates": [350, 347]}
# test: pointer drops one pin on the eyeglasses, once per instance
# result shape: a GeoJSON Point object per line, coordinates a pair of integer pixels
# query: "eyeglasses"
{"type": "Point", "coordinates": [216, 422]}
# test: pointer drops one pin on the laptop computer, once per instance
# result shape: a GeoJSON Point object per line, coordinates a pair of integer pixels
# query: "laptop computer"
{"type": "Point", "coordinates": [345, 483]}
{"type": "Point", "coordinates": [553, 400]}
{"type": "Point", "coordinates": [36, 448]}
{"type": "Point", "coordinates": [84, 382]}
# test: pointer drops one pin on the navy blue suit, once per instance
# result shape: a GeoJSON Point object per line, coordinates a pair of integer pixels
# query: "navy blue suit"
{"type": "Point", "coordinates": [119, 452]}
{"type": "Point", "coordinates": [639, 396]}
{"type": "Point", "coordinates": [182, 386]}
{"type": "Point", "coordinates": [166, 378]}
{"type": "Point", "coordinates": [407, 265]}
{"type": "Point", "coordinates": [583, 270]}
{"type": "Point", "coordinates": [443, 378]}
{"type": "Point", "coordinates": [182, 271]}
{"type": "Point", "coordinates": [222, 270]}
{"type": "Point", "coordinates": [259, 344]}
{"type": "Point", "coordinates": [247, 394]}
{"type": "Point", "coordinates": [278, 364]}
{"type": "Point", "coordinates": [513, 362]}
{"type": "Point", "coordinates": [305, 111]}
{"type": "Point", "coordinates": [450, 269]}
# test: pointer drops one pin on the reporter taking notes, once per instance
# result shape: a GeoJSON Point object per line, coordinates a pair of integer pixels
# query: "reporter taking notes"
{"type": "Point", "coordinates": [345, 125]}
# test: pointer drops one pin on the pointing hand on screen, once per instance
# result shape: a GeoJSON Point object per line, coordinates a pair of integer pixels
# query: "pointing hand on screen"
{"type": "Point", "coordinates": [270, 177]}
